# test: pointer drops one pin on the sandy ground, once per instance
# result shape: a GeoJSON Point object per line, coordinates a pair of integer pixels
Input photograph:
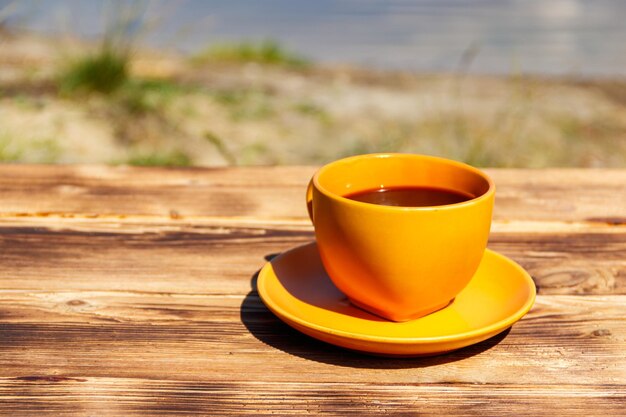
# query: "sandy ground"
{"type": "Point", "coordinates": [225, 114]}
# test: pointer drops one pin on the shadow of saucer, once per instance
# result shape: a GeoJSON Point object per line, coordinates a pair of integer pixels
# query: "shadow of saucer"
{"type": "Point", "coordinates": [267, 328]}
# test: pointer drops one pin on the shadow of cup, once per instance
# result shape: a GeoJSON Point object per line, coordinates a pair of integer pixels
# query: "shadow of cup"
{"type": "Point", "coordinates": [267, 328]}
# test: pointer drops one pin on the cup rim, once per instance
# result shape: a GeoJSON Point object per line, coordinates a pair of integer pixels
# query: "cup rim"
{"type": "Point", "coordinates": [487, 194]}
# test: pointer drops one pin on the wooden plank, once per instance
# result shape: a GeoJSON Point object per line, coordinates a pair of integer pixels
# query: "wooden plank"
{"type": "Point", "coordinates": [118, 192]}
{"type": "Point", "coordinates": [566, 195]}
{"type": "Point", "coordinates": [128, 291]}
{"type": "Point", "coordinates": [221, 258]}
{"type": "Point", "coordinates": [587, 262]}
{"type": "Point", "coordinates": [563, 340]}
{"type": "Point", "coordinates": [560, 195]}
{"type": "Point", "coordinates": [188, 259]}
{"type": "Point", "coordinates": [66, 396]}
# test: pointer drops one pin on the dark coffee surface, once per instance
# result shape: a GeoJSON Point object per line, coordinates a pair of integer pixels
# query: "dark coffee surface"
{"type": "Point", "coordinates": [410, 196]}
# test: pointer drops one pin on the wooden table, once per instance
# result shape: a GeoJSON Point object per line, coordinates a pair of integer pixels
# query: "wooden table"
{"type": "Point", "coordinates": [129, 291]}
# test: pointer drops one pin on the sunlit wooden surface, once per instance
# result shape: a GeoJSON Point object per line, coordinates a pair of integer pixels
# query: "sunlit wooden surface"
{"type": "Point", "coordinates": [130, 291]}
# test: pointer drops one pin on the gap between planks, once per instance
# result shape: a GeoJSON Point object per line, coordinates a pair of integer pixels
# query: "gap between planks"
{"type": "Point", "coordinates": [117, 222]}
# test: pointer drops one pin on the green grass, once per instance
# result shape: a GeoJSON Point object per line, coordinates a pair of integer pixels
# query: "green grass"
{"type": "Point", "coordinates": [106, 69]}
{"type": "Point", "coordinates": [104, 72]}
{"type": "Point", "coordinates": [549, 139]}
{"type": "Point", "coordinates": [312, 110]}
{"type": "Point", "coordinates": [265, 52]}
{"type": "Point", "coordinates": [38, 151]}
{"type": "Point", "coordinates": [168, 159]}
{"type": "Point", "coordinates": [249, 104]}
{"type": "Point", "coordinates": [221, 148]}
{"type": "Point", "coordinates": [27, 102]}
{"type": "Point", "coordinates": [147, 96]}
{"type": "Point", "coordinates": [8, 152]}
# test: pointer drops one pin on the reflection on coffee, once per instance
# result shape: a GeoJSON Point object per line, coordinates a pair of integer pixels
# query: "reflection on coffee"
{"type": "Point", "coordinates": [410, 196]}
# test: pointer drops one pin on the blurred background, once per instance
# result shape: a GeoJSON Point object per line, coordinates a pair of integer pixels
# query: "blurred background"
{"type": "Point", "coordinates": [502, 83]}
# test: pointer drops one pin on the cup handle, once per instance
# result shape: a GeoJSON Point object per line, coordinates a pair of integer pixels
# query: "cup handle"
{"type": "Point", "coordinates": [309, 199]}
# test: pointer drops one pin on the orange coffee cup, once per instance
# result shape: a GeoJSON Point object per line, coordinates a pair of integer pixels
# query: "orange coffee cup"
{"type": "Point", "coordinates": [400, 263]}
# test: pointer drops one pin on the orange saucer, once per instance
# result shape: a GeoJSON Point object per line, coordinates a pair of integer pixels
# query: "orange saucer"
{"type": "Point", "coordinates": [295, 287]}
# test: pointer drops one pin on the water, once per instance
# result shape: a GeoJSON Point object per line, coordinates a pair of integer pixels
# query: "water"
{"type": "Point", "coordinates": [556, 37]}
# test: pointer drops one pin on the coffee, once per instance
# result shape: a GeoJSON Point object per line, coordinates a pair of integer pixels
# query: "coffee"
{"type": "Point", "coordinates": [410, 196]}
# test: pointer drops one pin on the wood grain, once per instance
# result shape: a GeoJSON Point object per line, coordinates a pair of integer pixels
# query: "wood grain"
{"type": "Point", "coordinates": [562, 195]}
{"type": "Point", "coordinates": [119, 192]}
{"type": "Point", "coordinates": [130, 291]}
{"type": "Point", "coordinates": [220, 258]}
{"type": "Point", "coordinates": [565, 339]}
{"type": "Point", "coordinates": [189, 354]}
{"type": "Point", "coordinates": [105, 397]}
